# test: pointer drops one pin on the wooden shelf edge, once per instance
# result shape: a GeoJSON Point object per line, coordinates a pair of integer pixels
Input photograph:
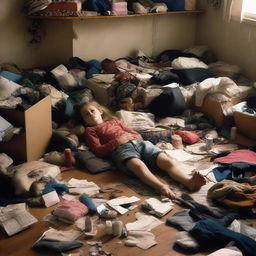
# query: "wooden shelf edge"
{"type": "Point", "coordinates": [112, 17]}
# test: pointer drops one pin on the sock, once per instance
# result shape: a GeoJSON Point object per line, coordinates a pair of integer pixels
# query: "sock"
{"type": "Point", "coordinates": [185, 241]}
{"type": "Point", "coordinates": [181, 220]}
{"type": "Point", "coordinates": [54, 185]}
{"type": "Point", "coordinates": [141, 239]}
{"type": "Point", "coordinates": [89, 203]}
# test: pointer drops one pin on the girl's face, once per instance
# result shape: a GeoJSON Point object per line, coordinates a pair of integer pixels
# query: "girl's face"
{"type": "Point", "coordinates": [91, 115]}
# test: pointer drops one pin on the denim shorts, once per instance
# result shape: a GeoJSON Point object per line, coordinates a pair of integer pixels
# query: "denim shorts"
{"type": "Point", "coordinates": [144, 150]}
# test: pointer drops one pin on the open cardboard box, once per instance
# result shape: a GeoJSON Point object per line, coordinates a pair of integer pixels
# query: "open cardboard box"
{"type": "Point", "coordinates": [246, 124]}
{"type": "Point", "coordinates": [215, 110]}
{"type": "Point", "coordinates": [37, 122]}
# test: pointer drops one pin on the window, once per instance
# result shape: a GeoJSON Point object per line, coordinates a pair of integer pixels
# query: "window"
{"type": "Point", "coordinates": [240, 10]}
{"type": "Point", "coordinates": [249, 10]}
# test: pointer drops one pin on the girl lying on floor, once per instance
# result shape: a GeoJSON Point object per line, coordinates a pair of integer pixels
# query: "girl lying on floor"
{"type": "Point", "coordinates": [108, 136]}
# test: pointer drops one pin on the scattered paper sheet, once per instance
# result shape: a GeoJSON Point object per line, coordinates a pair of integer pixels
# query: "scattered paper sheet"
{"type": "Point", "coordinates": [51, 198]}
{"type": "Point", "coordinates": [82, 187]}
{"type": "Point", "coordinates": [143, 222]}
{"type": "Point", "coordinates": [15, 220]}
{"type": "Point", "coordinates": [117, 202]}
{"type": "Point", "coordinates": [157, 207]}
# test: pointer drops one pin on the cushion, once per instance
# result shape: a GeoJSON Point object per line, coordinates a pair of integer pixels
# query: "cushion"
{"type": "Point", "coordinates": [169, 103]}
{"type": "Point", "coordinates": [92, 163]}
{"type": "Point", "coordinates": [189, 137]}
{"type": "Point", "coordinates": [166, 77]}
{"type": "Point", "coordinates": [56, 95]}
{"type": "Point", "coordinates": [136, 120]}
{"type": "Point", "coordinates": [28, 173]}
{"type": "Point", "coordinates": [11, 76]}
{"type": "Point", "coordinates": [170, 55]}
{"type": "Point", "coordinates": [192, 75]}
{"type": "Point", "coordinates": [188, 62]}
{"type": "Point", "coordinates": [68, 79]}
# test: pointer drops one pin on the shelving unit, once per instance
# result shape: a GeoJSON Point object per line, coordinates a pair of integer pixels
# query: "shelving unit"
{"type": "Point", "coordinates": [112, 17]}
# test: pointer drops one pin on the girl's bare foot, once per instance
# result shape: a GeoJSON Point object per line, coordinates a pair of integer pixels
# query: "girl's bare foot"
{"type": "Point", "coordinates": [166, 191]}
{"type": "Point", "coordinates": [196, 181]}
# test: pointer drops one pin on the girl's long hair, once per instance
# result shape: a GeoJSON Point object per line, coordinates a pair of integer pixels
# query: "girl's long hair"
{"type": "Point", "coordinates": [106, 113]}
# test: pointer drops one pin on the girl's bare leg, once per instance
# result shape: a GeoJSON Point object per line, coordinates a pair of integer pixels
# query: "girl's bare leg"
{"type": "Point", "coordinates": [193, 183]}
{"type": "Point", "coordinates": [141, 170]}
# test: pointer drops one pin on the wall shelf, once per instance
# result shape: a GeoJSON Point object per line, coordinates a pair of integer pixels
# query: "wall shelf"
{"type": "Point", "coordinates": [112, 17]}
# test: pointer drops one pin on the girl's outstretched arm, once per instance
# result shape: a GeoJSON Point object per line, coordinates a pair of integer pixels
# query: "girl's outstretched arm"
{"type": "Point", "coordinates": [95, 145]}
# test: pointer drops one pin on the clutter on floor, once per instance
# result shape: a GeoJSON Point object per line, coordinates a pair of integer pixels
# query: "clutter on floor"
{"type": "Point", "coordinates": [160, 99]}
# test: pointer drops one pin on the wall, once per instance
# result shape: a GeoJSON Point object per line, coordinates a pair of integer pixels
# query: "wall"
{"type": "Point", "coordinates": [232, 42]}
{"type": "Point", "coordinates": [88, 39]}
{"type": "Point", "coordinates": [55, 47]}
{"type": "Point", "coordinates": [119, 37]}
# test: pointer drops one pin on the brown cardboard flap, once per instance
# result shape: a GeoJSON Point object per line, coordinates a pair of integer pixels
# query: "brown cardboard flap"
{"type": "Point", "coordinates": [246, 124]}
{"type": "Point", "coordinates": [15, 148]}
{"type": "Point", "coordinates": [214, 109]}
{"type": "Point", "coordinates": [37, 122]}
{"type": "Point", "coordinates": [15, 117]}
{"type": "Point", "coordinates": [38, 128]}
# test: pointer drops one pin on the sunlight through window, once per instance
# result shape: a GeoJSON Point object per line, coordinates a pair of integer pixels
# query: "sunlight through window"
{"type": "Point", "coordinates": [249, 10]}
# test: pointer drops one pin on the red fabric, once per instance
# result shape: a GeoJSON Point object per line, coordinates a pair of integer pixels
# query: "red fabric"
{"type": "Point", "coordinates": [102, 138]}
{"type": "Point", "coordinates": [240, 155]}
{"type": "Point", "coordinates": [189, 137]}
{"type": "Point", "coordinates": [71, 6]}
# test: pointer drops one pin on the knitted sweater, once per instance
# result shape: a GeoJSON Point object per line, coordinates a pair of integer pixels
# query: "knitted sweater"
{"type": "Point", "coordinates": [102, 138]}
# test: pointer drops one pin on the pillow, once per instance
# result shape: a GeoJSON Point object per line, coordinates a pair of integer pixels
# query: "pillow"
{"type": "Point", "coordinates": [28, 173]}
{"type": "Point", "coordinates": [7, 88]}
{"type": "Point", "coordinates": [149, 94]}
{"type": "Point", "coordinates": [11, 76]}
{"type": "Point", "coordinates": [92, 163]}
{"type": "Point", "coordinates": [165, 77]}
{"type": "Point", "coordinates": [192, 75]}
{"type": "Point", "coordinates": [189, 137]}
{"type": "Point", "coordinates": [186, 62]}
{"type": "Point", "coordinates": [169, 103]}
{"type": "Point", "coordinates": [68, 80]}
{"type": "Point", "coordinates": [56, 95]}
{"type": "Point", "coordinates": [170, 55]}
{"type": "Point", "coordinates": [5, 161]}
{"type": "Point", "coordinates": [136, 120]}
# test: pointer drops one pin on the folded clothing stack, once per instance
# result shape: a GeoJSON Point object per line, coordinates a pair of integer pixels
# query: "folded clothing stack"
{"type": "Point", "coordinates": [33, 6]}
{"type": "Point", "coordinates": [65, 5]}
{"type": "Point", "coordinates": [119, 8]}
{"type": "Point", "coordinates": [70, 211]}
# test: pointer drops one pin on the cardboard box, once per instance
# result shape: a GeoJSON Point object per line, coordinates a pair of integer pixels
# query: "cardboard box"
{"type": "Point", "coordinates": [37, 122]}
{"type": "Point", "coordinates": [246, 124]}
{"type": "Point", "coordinates": [215, 110]}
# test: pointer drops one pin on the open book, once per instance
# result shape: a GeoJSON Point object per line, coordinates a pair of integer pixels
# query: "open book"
{"type": "Point", "coordinates": [15, 218]}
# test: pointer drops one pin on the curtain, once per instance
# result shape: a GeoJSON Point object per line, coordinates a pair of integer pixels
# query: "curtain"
{"type": "Point", "coordinates": [232, 10]}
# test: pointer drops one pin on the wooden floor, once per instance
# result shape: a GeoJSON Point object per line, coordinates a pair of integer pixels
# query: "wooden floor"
{"type": "Point", "coordinates": [20, 244]}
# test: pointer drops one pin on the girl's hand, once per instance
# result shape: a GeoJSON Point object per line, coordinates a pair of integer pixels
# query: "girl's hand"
{"type": "Point", "coordinates": [125, 138]}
